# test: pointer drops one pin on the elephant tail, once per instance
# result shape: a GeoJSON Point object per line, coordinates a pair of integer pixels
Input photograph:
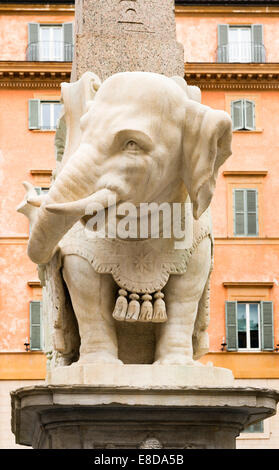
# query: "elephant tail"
{"type": "Point", "coordinates": [200, 336]}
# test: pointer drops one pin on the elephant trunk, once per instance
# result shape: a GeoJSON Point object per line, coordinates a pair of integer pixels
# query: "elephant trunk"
{"type": "Point", "coordinates": [73, 184]}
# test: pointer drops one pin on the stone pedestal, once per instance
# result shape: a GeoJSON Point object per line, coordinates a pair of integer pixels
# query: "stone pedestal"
{"type": "Point", "coordinates": [140, 375]}
{"type": "Point", "coordinates": [164, 414]}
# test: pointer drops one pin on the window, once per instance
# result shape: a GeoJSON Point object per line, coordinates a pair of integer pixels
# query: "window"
{"type": "Point", "coordinates": [243, 115]}
{"type": "Point", "coordinates": [239, 46]}
{"type": "Point", "coordinates": [255, 428]}
{"type": "Point", "coordinates": [36, 336]}
{"type": "Point", "coordinates": [50, 42]}
{"type": "Point", "coordinates": [240, 43]}
{"type": "Point", "coordinates": [44, 114]}
{"type": "Point", "coordinates": [41, 191]}
{"type": "Point", "coordinates": [245, 212]}
{"type": "Point", "coordinates": [249, 326]}
{"type": "Point", "coordinates": [49, 114]}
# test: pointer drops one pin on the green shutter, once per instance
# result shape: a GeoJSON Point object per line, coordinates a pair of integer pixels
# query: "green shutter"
{"type": "Point", "coordinates": [249, 114]}
{"type": "Point", "coordinates": [34, 114]}
{"type": "Point", "coordinates": [223, 40]}
{"type": "Point", "coordinates": [252, 211]}
{"type": "Point", "coordinates": [237, 114]}
{"type": "Point", "coordinates": [33, 41]}
{"type": "Point", "coordinates": [231, 325]}
{"type": "Point", "coordinates": [258, 53]}
{"type": "Point", "coordinates": [239, 211]}
{"type": "Point", "coordinates": [68, 41]}
{"type": "Point", "coordinates": [267, 325]}
{"type": "Point", "coordinates": [35, 325]}
{"type": "Point", "coordinates": [245, 212]}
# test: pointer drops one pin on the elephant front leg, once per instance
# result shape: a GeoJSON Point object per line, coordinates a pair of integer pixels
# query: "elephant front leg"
{"type": "Point", "coordinates": [92, 297]}
{"type": "Point", "coordinates": [183, 292]}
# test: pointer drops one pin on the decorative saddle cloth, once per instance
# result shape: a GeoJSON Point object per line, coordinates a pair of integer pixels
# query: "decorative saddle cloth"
{"type": "Point", "coordinates": [141, 267]}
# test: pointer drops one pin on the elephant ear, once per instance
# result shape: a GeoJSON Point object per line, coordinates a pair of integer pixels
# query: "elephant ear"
{"type": "Point", "coordinates": [192, 92]}
{"type": "Point", "coordinates": [76, 98]}
{"type": "Point", "coordinates": [206, 145]}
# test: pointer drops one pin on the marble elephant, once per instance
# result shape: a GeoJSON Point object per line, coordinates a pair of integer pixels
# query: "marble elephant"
{"type": "Point", "coordinates": [139, 137]}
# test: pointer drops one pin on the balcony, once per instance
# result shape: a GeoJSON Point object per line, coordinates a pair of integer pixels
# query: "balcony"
{"type": "Point", "coordinates": [49, 51]}
{"type": "Point", "coordinates": [241, 52]}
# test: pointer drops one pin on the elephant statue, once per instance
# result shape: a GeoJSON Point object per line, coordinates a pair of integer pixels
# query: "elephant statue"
{"type": "Point", "coordinates": [136, 138]}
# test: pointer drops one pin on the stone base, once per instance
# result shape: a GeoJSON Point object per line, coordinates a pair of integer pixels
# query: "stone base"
{"type": "Point", "coordinates": [143, 375]}
{"type": "Point", "coordinates": [88, 417]}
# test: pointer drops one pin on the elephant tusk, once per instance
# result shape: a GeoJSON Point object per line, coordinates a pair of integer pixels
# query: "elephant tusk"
{"type": "Point", "coordinates": [28, 186]}
{"type": "Point", "coordinates": [35, 201]}
{"type": "Point", "coordinates": [86, 206]}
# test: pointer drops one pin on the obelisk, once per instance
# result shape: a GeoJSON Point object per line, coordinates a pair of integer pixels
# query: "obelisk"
{"type": "Point", "coordinates": [126, 35]}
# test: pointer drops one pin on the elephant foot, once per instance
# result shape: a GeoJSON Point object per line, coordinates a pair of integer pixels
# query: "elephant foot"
{"type": "Point", "coordinates": [98, 358]}
{"type": "Point", "coordinates": [177, 359]}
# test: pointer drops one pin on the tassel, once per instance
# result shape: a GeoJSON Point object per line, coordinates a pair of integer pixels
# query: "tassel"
{"type": "Point", "coordinates": [133, 308]}
{"type": "Point", "coordinates": [121, 306]}
{"type": "Point", "coordinates": [146, 310]}
{"type": "Point", "coordinates": [160, 314]}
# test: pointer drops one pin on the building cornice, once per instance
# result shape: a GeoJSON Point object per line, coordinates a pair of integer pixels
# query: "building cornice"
{"type": "Point", "coordinates": [36, 8]}
{"type": "Point", "coordinates": [184, 10]}
{"type": "Point", "coordinates": [263, 284]}
{"type": "Point", "coordinates": [24, 74]}
{"type": "Point", "coordinates": [225, 10]}
{"type": "Point", "coordinates": [233, 76]}
{"type": "Point", "coordinates": [245, 173]}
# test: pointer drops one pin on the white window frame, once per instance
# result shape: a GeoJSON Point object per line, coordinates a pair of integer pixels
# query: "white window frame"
{"type": "Point", "coordinates": [243, 104]}
{"type": "Point", "coordinates": [51, 47]}
{"type": "Point", "coordinates": [238, 51]}
{"type": "Point", "coordinates": [52, 123]}
{"type": "Point", "coordinates": [256, 435]}
{"type": "Point", "coordinates": [247, 314]}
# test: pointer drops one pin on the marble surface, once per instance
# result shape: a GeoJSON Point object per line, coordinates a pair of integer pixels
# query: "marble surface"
{"type": "Point", "coordinates": [88, 417]}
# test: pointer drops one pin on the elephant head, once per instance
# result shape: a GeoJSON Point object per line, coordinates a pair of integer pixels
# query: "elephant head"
{"type": "Point", "coordinates": [140, 138]}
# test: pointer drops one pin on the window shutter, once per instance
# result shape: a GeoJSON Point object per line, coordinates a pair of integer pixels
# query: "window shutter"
{"type": "Point", "coordinates": [267, 325]}
{"type": "Point", "coordinates": [237, 114]}
{"type": "Point", "coordinates": [258, 52]}
{"type": "Point", "coordinates": [249, 114]}
{"type": "Point", "coordinates": [223, 40]}
{"type": "Point", "coordinates": [231, 326]}
{"type": "Point", "coordinates": [33, 41]}
{"type": "Point", "coordinates": [252, 218]}
{"type": "Point", "coordinates": [35, 325]}
{"type": "Point", "coordinates": [68, 41]}
{"type": "Point", "coordinates": [34, 114]}
{"type": "Point", "coordinates": [239, 212]}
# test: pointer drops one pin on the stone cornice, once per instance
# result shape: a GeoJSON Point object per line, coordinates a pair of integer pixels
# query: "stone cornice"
{"type": "Point", "coordinates": [263, 284]}
{"type": "Point", "coordinates": [232, 75]}
{"type": "Point", "coordinates": [245, 173]}
{"type": "Point", "coordinates": [24, 74]}
{"type": "Point", "coordinates": [21, 8]}
{"type": "Point", "coordinates": [221, 10]}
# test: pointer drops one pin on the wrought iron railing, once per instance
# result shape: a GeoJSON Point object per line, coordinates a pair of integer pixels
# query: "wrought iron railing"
{"type": "Point", "coordinates": [50, 51]}
{"type": "Point", "coordinates": [241, 52]}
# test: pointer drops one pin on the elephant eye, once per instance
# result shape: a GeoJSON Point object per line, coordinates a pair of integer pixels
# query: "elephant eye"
{"type": "Point", "coordinates": [132, 146]}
